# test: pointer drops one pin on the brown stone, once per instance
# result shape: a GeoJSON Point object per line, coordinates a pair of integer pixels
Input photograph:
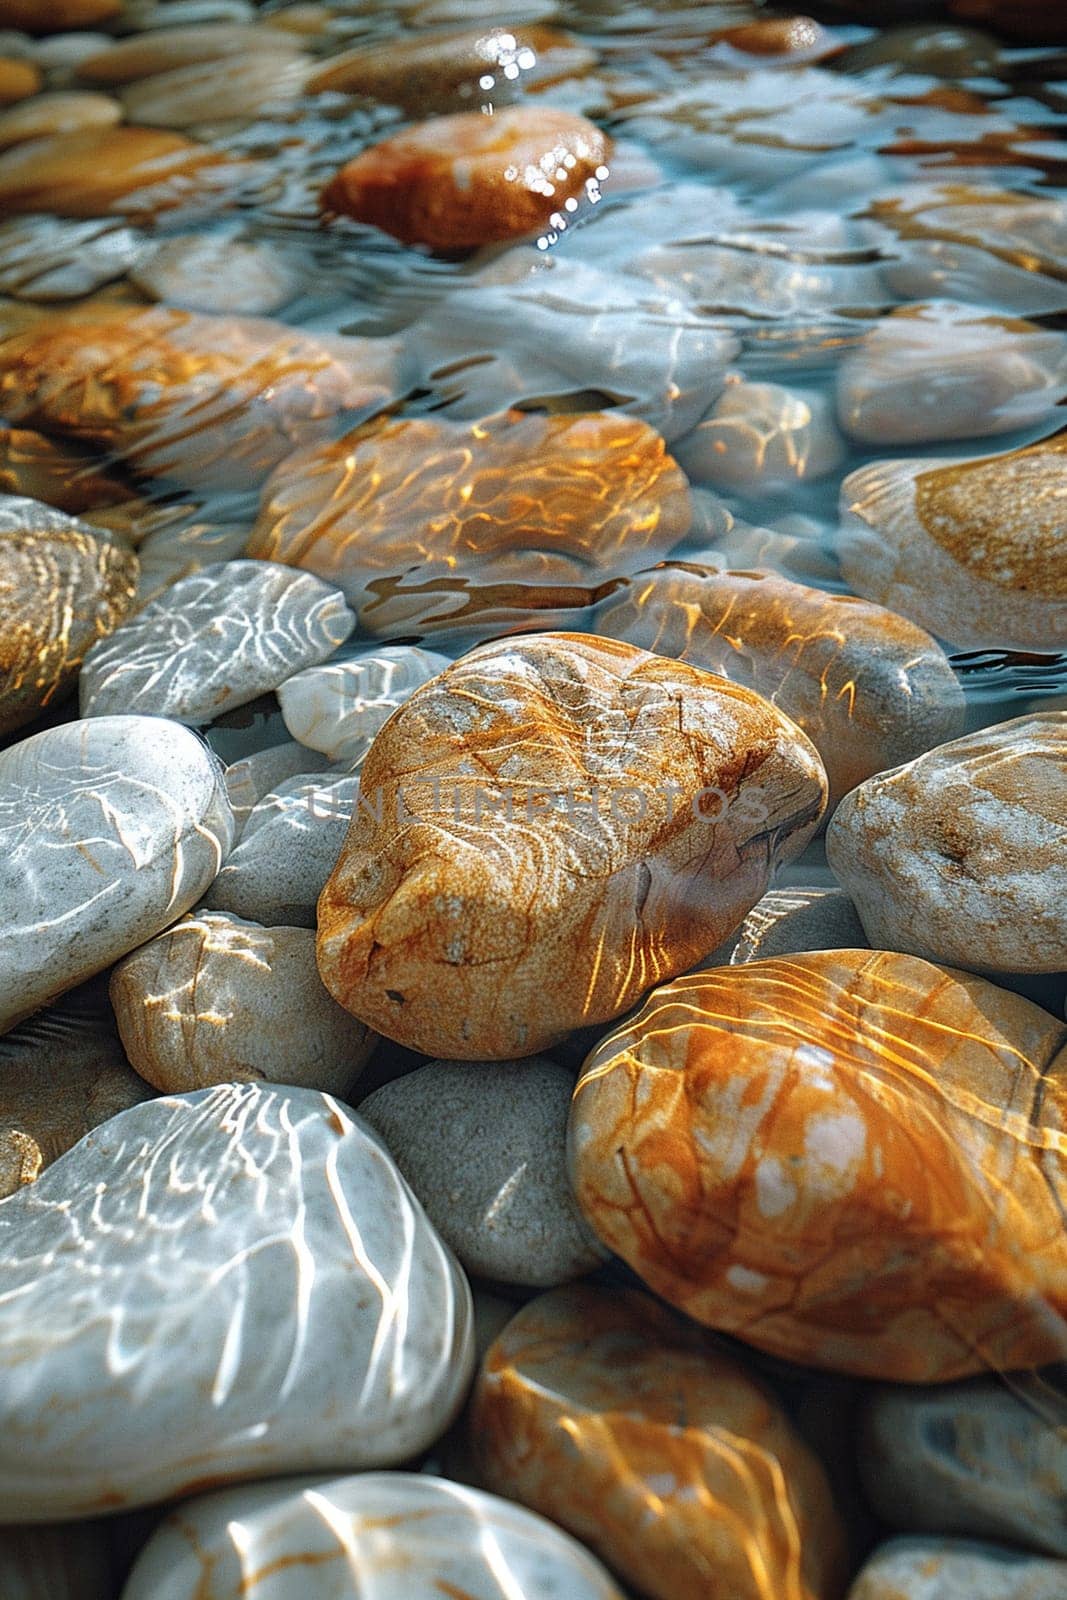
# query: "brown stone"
{"type": "Point", "coordinates": [430, 524]}
{"type": "Point", "coordinates": [61, 1075]}
{"type": "Point", "coordinates": [455, 183]}
{"type": "Point", "coordinates": [56, 16]}
{"type": "Point", "coordinates": [50, 114]}
{"type": "Point", "coordinates": [852, 1159]}
{"type": "Point", "coordinates": [63, 586]}
{"type": "Point", "coordinates": [779, 36]}
{"type": "Point", "coordinates": [59, 474]}
{"type": "Point", "coordinates": [442, 71]}
{"type": "Point", "coordinates": [869, 688]}
{"type": "Point", "coordinates": [213, 401]}
{"type": "Point", "coordinates": [18, 80]}
{"type": "Point", "coordinates": [565, 821]}
{"type": "Point", "coordinates": [654, 1446]}
{"type": "Point", "coordinates": [114, 171]}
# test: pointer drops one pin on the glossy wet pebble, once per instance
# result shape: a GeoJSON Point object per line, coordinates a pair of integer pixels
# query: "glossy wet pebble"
{"type": "Point", "coordinates": [390, 1536]}
{"type": "Point", "coordinates": [761, 438]}
{"type": "Point", "coordinates": [330, 1322]}
{"type": "Point", "coordinates": [483, 1146]}
{"type": "Point", "coordinates": [455, 921]}
{"type": "Point", "coordinates": [64, 586]}
{"type": "Point", "coordinates": [973, 550]}
{"type": "Point", "coordinates": [654, 1446]}
{"type": "Point", "coordinates": [339, 707]}
{"type": "Point", "coordinates": [238, 88]}
{"type": "Point", "coordinates": [458, 182]}
{"type": "Point", "coordinates": [986, 1458]}
{"type": "Point", "coordinates": [957, 1569]}
{"type": "Point", "coordinates": [214, 641]}
{"type": "Point", "coordinates": [113, 172]}
{"type": "Point", "coordinates": [850, 1159]}
{"type": "Point", "coordinates": [109, 830]}
{"type": "Point", "coordinates": [961, 856]}
{"type": "Point", "coordinates": [217, 999]}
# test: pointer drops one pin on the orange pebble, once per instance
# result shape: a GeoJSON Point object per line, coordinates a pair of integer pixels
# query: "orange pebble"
{"type": "Point", "coordinates": [108, 171]}
{"type": "Point", "coordinates": [455, 183]}
{"type": "Point", "coordinates": [775, 36]}
{"type": "Point", "coordinates": [848, 1158]}
{"type": "Point", "coordinates": [56, 16]}
{"type": "Point", "coordinates": [18, 80]}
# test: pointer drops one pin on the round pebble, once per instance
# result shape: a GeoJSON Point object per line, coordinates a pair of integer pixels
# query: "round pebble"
{"type": "Point", "coordinates": [338, 708]}
{"type": "Point", "coordinates": [957, 1569]}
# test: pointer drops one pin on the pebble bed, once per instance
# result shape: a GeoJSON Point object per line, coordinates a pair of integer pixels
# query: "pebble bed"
{"type": "Point", "coordinates": [533, 800]}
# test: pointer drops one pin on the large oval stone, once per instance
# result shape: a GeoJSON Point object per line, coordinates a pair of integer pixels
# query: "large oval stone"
{"type": "Point", "coordinates": [224, 1285]}
{"type": "Point", "coordinates": [653, 1445]}
{"type": "Point", "coordinates": [386, 1536]}
{"type": "Point", "coordinates": [109, 830]}
{"type": "Point", "coordinates": [869, 688]}
{"type": "Point", "coordinates": [63, 587]}
{"type": "Point", "coordinates": [852, 1159]}
{"type": "Point", "coordinates": [961, 856]}
{"type": "Point", "coordinates": [546, 830]}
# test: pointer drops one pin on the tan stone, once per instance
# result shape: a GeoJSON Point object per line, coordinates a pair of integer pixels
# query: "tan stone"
{"type": "Point", "coordinates": [61, 475]}
{"type": "Point", "coordinates": [237, 87]}
{"type": "Point", "coordinates": [973, 550]}
{"type": "Point", "coordinates": [63, 586]}
{"type": "Point", "coordinates": [216, 999]}
{"type": "Point", "coordinates": [458, 182]}
{"type": "Point", "coordinates": [852, 1159]}
{"type": "Point", "coordinates": [114, 171]}
{"type": "Point", "coordinates": [49, 114]}
{"type": "Point", "coordinates": [212, 401]}
{"type": "Point", "coordinates": [869, 688]}
{"type": "Point", "coordinates": [18, 80]}
{"type": "Point", "coordinates": [442, 71]}
{"type": "Point", "coordinates": [653, 1445]}
{"type": "Point", "coordinates": [586, 819]}
{"type": "Point", "coordinates": [61, 1075]}
{"type": "Point", "coordinates": [781, 36]}
{"type": "Point", "coordinates": [428, 524]}
{"type": "Point", "coordinates": [166, 49]}
{"type": "Point", "coordinates": [961, 856]}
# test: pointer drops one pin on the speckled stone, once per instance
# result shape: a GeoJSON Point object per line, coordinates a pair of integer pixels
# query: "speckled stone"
{"type": "Point", "coordinates": [216, 999]}
{"type": "Point", "coordinates": [601, 819]}
{"type": "Point", "coordinates": [850, 1159]}
{"type": "Point", "coordinates": [215, 641]}
{"type": "Point", "coordinates": [957, 1569]}
{"type": "Point", "coordinates": [330, 1322]}
{"type": "Point", "coordinates": [338, 708]}
{"type": "Point", "coordinates": [973, 550]}
{"type": "Point", "coordinates": [386, 1536]}
{"type": "Point", "coordinates": [987, 1458]}
{"type": "Point", "coordinates": [482, 1144]}
{"type": "Point", "coordinates": [109, 830]}
{"type": "Point", "coordinates": [61, 1073]}
{"type": "Point", "coordinates": [868, 687]}
{"type": "Point", "coordinates": [63, 1561]}
{"type": "Point", "coordinates": [654, 1446]}
{"type": "Point", "coordinates": [961, 856]}
{"type": "Point", "coordinates": [63, 586]}
{"type": "Point", "coordinates": [289, 846]}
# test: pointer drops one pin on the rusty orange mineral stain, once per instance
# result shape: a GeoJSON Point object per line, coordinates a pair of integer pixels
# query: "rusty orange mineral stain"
{"type": "Point", "coordinates": [882, 1154]}
{"type": "Point", "coordinates": [458, 182]}
{"type": "Point", "coordinates": [655, 1447]}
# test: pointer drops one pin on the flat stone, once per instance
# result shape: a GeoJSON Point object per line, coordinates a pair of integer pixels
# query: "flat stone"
{"type": "Point", "coordinates": [109, 830]}
{"type": "Point", "coordinates": [761, 438]}
{"type": "Point", "coordinates": [63, 586]}
{"type": "Point", "coordinates": [216, 999]}
{"type": "Point", "coordinates": [132, 172]}
{"type": "Point", "coordinates": [338, 708]}
{"type": "Point", "coordinates": [459, 182]}
{"type": "Point", "coordinates": [235, 88]}
{"type": "Point", "coordinates": [973, 550]}
{"type": "Point", "coordinates": [145, 54]}
{"type": "Point", "coordinates": [961, 856]}
{"type": "Point", "coordinates": [790, 921]}
{"type": "Point", "coordinates": [178, 547]}
{"type": "Point", "coordinates": [942, 371]}
{"type": "Point", "coordinates": [62, 475]}
{"type": "Point", "coordinates": [396, 1535]}
{"type": "Point", "coordinates": [656, 1448]}
{"type": "Point", "coordinates": [48, 114]}
{"type": "Point", "coordinates": [867, 686]}
{"type": "Point", "coordinates": [288, 848]}
{"type": "Point", "coordinates": [215, 402]}
{"type": "Point", "coordinates": [218, 273]}
{"type": "Point", "coordinates": [62, 1073]}
{"type": "Point", "coordinates": [251, 779]}
{"type": "Point", "coordinates": [548, 829]}
{"type": "Point", "coordinates": [981, 1458]}
{"type": "Point", "coordinates": [65, 1561]}
{"type": "Point", "coordinates": [330, 1322]}
{"type": "Point", "coordinates": [957, 1569]}
{"type": "Point", "coordinates": [759, 1141]}
{"type": "Point", "coordinates": [427, 524]}
{"type": "Point", "coordinates": [482, 1144]}
{"type": "Point", "coordinates": [47, 259]}
{"type": "Point", "coordinates": [215, 641]}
